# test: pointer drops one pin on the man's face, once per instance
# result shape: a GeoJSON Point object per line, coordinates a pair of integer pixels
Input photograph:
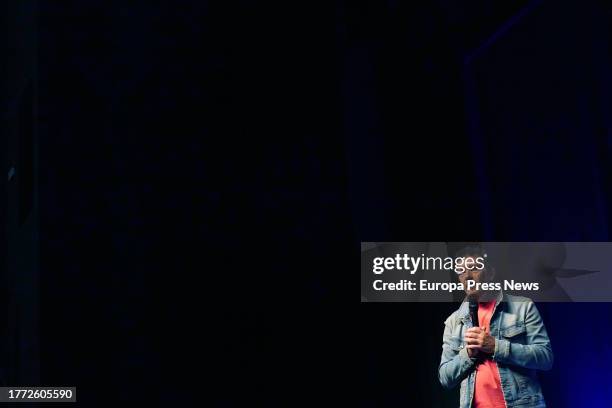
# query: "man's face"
{"type": "Point", "coordinates": [473, 273]}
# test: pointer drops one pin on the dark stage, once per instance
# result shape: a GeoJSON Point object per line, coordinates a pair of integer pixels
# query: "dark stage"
{"type": "Point", "coordinates": [191, 182]}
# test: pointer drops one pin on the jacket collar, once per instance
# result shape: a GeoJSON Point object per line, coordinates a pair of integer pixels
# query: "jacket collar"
{"type": "Point", "coordinates": [464, 309]}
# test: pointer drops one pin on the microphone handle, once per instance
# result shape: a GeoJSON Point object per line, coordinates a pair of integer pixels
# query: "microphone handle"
{"type": "Point", "coordinates": [475, 318]}
{"type": "Point", "coordinates": [474, 312]}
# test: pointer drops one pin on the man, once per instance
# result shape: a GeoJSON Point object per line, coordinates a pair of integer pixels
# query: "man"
{"type": "Point", "coordinates": [496, 361]}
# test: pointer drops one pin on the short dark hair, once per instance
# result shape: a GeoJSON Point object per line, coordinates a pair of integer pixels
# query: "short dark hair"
{"type": "Point", "coordinates": [473, 249]}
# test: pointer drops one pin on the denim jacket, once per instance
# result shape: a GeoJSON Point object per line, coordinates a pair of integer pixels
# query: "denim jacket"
{"type": "Point", "coordinates": [521, 347]}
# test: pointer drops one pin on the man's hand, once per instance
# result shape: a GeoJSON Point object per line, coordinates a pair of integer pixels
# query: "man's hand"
{"type": "Point", "coordinates": [472, 353]}
{"type": "Point", "coordinates": [477, 339]}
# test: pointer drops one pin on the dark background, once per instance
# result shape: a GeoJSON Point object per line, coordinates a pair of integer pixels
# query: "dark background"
{"type": "Point", "coordinates": [206, 170]}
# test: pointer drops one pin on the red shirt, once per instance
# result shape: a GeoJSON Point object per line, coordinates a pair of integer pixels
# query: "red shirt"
{"type": "Point", "coordinates": [487, 391]}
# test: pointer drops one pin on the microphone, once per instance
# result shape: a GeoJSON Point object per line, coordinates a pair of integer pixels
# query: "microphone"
{"type": "Point", "coordinates": [474, 312]}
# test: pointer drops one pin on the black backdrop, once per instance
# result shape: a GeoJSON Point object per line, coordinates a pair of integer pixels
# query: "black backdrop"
{"type": "Point", "coordinates": [207, 170]}
{"type": "Point", "coordinates": [193, 182]}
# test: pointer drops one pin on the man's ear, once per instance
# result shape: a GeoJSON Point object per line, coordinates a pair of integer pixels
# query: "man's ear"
{"type": "Point", "coordinates": [491, 273]}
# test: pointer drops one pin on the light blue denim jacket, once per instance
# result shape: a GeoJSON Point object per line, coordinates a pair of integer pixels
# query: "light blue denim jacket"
{"type": "Point", "coordinates": [521, 347]}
